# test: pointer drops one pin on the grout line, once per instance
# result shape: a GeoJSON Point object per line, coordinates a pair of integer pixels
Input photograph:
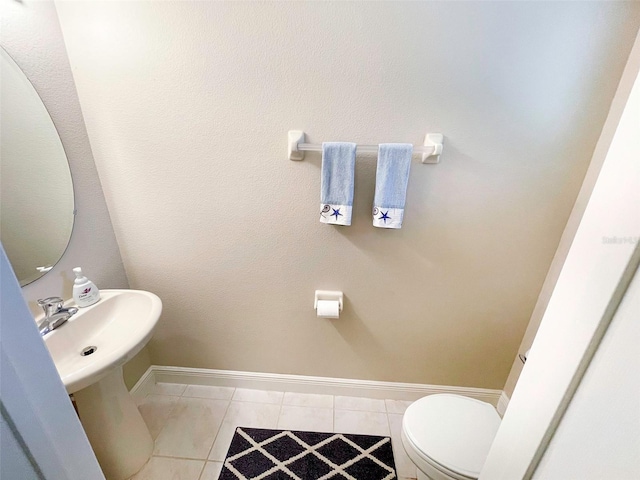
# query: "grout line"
{"type": "Point", "coordinates": [212, 386]}
{"type": "Point", "coordinates": [162, 395]}
{"type": "Point", "coordinates": [334, 421]}
{"type": "Point", "coordinates": [226, 410]}
{"type": "Point", "coordinates": [280, 410]}
{"type": "Point", "coordinates": [180, 458]}
{"type": "Point", "coordinates": [251, 401]}
{"type": "Point", "coordinates": [164, 423]}
{"type": "Point", "coordinates": [362, 411]}
{"type": "Point", "coordinates": [168, 394]}
{"type": "Point", "coordinates": [204, 466]}
{"type": "Point", "coordinates": [391, 438]}
{"type": "Point", "coordinates": [333, 418]}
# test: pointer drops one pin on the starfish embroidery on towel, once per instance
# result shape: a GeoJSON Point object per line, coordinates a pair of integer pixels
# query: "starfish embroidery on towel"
{"type": "Point", "coordinates": [384, 216]}
{"type": "Point", "coordinates": [336, 213]}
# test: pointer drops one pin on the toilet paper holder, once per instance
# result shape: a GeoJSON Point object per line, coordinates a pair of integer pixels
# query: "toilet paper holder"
{"type": "Point", "coordinates": [328, 295]}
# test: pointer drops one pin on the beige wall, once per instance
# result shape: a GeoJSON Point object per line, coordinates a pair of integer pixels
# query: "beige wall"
{"type": "Point", "coordinates": [187, 107]}
{"type": "Point", "coordinates": [599, 155]}
{"type": "Point", "coordinates": [576, 384]}
{"type": "Point", "coordinates": [31, 35]}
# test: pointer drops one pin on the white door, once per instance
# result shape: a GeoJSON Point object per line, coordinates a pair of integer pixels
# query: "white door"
{"type": "Point", "coordinates": [41, 431]}
{"type": "Point", "coordinates": [590, 288]}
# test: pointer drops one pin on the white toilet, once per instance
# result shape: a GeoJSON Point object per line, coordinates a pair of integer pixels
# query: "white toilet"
{"type": "Point", "coordinates": [448, 436]}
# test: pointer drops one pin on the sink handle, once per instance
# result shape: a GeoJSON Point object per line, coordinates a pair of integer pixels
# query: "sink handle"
{"type": "Point", "coordinates": [50, 305]}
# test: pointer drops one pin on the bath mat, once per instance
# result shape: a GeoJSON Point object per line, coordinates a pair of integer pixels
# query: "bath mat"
{"type": "Point", "coordinates": [257, 454]}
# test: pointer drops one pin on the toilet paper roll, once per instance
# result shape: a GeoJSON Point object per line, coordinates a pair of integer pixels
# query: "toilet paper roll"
{"type": "Point", "coordinates": [328, 309]}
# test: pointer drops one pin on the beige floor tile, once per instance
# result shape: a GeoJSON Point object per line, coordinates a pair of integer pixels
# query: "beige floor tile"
{"type": "Point", "coordinates": [205, 391]}
{"type": "Point", "coordinates": [404, 466]}
{"type": "Point", "coordinates": [191, 428]}
{"type": "Point", "coordinates": [257, 396]}
{"type": "Point", "coordinates": [366, 423]}
{"type": "Point", "coordinates": [396, 406]}
{"type": "Point", "coordinates": [243, 414]}
{"type": "Point", "coordinates": [306, 418]}
{"type": "Point", "coordinates": [168, 388]}
{"type": "Point", "coordinates": [308, 400]}
{"type": "Point", "coordinates": [155, 410]}
{"type": "Point", "coordinates": [211, 471]}
{"type": "Point", "coordinates": [360, 404]}
{"type": "Point", "coordinates": [160, 468]}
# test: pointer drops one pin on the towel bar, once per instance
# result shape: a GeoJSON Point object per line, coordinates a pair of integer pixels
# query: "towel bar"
{"type": "Point", "coordinates": [430, 150]}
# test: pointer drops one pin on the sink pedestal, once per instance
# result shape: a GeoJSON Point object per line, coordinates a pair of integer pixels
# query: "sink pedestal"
{"type": "Point", "coordinates": [89, 351]}
{"type": "Point", "coordinates": [119, 437]}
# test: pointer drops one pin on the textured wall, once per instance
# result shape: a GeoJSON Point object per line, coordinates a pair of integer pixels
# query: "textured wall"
{"type": "Point", "coordinates": [31, 35]}
{"type": "Point", "coordinates": [187, 106]}
{"type": "Point", "coordinates": [37, 220]}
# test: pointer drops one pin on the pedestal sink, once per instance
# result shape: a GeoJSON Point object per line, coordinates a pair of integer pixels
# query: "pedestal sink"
{"type": "Point", "coordinates": [89, 351]}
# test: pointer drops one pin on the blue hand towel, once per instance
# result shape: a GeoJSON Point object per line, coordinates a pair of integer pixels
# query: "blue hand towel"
{"type": "Point", "coordinates": [336, 191]}
{"type": "Point", "coordinates": [392, 177]}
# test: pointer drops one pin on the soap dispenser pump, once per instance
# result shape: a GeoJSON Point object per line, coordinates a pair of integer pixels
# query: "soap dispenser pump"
{"type": "Point", "coordinates": [85, 292]}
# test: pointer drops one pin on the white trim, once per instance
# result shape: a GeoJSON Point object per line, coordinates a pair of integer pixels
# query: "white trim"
{"type": "Point", "coordinates": [304, 384]}
{"type": "Point", "coordinates": [503, 403]}
{"type": "Point", "coordinates": [145, 384]}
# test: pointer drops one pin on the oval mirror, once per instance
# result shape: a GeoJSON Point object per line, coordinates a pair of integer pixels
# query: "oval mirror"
{"type": "Point", "coordinates": [36, 192]}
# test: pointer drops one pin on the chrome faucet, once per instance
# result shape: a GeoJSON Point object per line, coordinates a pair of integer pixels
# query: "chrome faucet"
{"type": "Point", "coordinates": [54, 314]}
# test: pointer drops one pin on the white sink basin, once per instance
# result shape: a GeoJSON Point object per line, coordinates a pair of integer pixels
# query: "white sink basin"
{"type": "Point", "coordinates": [114, 330]}
{"type": "Point", "coordinates": [119, 325]}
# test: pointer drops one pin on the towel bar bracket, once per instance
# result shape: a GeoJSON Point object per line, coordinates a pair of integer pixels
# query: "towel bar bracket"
{"type": "Point", "coordinates": [434, 140]}
{"type": "Point", "coordinates": [430, 150]}
{"type": "Point", "coordinates": [294, 138]}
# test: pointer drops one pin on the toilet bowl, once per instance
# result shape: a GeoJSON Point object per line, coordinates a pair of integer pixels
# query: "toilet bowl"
{"type": "Point", "coordinates": [448, 437]}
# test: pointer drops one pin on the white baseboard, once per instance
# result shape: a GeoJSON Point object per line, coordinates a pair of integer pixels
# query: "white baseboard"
{"type": "Point", "coordinates": [307, 384]}
{"type": "Point", "coordinates": [503, 403]}
{"type": "Point", "coordinates": [145, 384]}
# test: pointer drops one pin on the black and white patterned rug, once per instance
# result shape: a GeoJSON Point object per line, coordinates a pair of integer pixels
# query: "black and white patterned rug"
{"type": "Point", "coordinates": [257, 453]}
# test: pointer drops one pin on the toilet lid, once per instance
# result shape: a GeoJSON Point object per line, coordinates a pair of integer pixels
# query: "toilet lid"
{"type": "Point", "coordinates": [453, 431]}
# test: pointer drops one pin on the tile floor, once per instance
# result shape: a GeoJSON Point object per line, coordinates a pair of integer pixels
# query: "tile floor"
{"type": "Point", "coordinates": [192, 425]}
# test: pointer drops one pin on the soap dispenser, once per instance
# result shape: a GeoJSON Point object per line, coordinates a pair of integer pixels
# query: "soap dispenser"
{"type": "Point", "coordinates": [85, 293]}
